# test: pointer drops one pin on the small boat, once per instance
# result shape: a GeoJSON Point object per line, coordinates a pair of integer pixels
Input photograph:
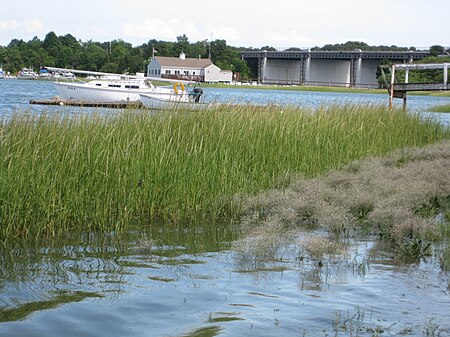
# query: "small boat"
{"type": "Point", "coordinates": [27, 74]}
{"type": "Point", "coordinates": [45, 74]}
{"type": "Point", "coordinates": [189, 101]}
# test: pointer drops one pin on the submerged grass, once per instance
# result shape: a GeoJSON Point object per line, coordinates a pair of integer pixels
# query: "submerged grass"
{"type": "Point", "coordinates": [109, 172]}
{"type": "Point", "coordinates": [401, 198]}
{"type": "Point", "coordinates": [441, 108]}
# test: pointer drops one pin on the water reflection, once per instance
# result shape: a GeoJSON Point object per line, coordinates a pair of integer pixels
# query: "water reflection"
{"type": "Point", "coordinates": [172, 281]}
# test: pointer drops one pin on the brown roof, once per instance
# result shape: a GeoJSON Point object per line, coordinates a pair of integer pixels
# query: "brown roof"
{"type": "Point", "coordinates": [186, 63]}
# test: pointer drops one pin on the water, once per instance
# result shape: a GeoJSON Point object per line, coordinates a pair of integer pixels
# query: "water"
{"type": "Point", "coordinates": [181, 287]}
{"type": "Point", "coordinates": [169, 281]}
{"type": "Point", "coordinates": [16, 94]}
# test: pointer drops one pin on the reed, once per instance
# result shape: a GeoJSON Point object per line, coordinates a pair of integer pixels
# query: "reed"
{"type": "Point", "coordinates": [109, 172]}
{"type": "Point", "coordinates": [441, 108]}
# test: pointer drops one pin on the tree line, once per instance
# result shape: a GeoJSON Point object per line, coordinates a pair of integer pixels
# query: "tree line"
{"type": "Point", "coordinates": [118, 56]}
{"type": "Point", "coordinates": [115, 56]}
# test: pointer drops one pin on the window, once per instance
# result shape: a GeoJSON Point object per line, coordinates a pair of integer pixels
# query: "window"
{"type": "Point", "coordinates": [186, 72]}
{"type": "Point", "coordinates": [167, 72]}
{"type": "Point", "coordinates": [177, 72]}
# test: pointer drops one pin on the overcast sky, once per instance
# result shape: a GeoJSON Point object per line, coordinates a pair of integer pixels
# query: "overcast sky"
{"type": "Point", "coordinates": [250, 23]}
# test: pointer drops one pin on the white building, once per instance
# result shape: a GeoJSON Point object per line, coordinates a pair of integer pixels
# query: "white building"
{"type": "Point", "coordinates": [182, 68]}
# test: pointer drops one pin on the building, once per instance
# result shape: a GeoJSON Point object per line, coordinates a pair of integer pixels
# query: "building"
{"type": "Point", "coordinates": [189, 69]}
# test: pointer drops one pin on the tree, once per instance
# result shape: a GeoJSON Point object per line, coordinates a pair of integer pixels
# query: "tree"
{"type": "Point", "coordinates": [52, 46]}
{"type": "Point", "coordinates": [183, 45]}
{"type": "Point", "coordinates": [436, 50]}
{"type": "Point", "coordinates": [94, 56]}
{"type": "Point", "coordinates": [268, 48]}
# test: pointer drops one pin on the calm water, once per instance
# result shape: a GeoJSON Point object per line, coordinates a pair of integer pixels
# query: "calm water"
{"type": "Point", "coordinates": [190, 282]}
{"type": "Point", "coordinates": [15, 95]}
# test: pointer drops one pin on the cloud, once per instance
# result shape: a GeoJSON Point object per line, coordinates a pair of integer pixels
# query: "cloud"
{"type": "Point", "coordinates": [154, 29]}
{"type": "Point", "coordinates": [8, 25]}
{"type": "Point", "coordinates": [33, 26]}
{"type": "Point", "coordinates": [27, 26]}
{"type": "Point", "coordinates": [168, 30]}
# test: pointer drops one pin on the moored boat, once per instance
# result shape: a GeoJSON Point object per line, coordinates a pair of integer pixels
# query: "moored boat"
{"type": "Point", "coordinates": [103, 90]}
{"type": "Point", "coordinates": [27, 74]}
{"type": "Point", "coordinates": [116, 88]}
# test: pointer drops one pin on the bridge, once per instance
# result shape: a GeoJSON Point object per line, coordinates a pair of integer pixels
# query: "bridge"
{"type": "Point", "coordinates": [327, 68]}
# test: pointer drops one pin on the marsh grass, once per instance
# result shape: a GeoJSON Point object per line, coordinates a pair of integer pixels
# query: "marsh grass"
{"type": "Point", "coordinates": [395, 198]}
{"type": "Point", "coordinates": [441, 108]}
{"type": "Point", "coordinates": [111, 172]}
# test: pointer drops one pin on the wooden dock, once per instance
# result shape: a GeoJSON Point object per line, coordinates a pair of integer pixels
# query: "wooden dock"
{"type": "Point", "coordinates": [90, 104]}
{"type": "Point", "coordinates": [399, 90]}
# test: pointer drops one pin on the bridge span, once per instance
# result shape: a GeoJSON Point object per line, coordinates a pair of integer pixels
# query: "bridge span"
{"type": "Point", "coordinates": [327, 68]}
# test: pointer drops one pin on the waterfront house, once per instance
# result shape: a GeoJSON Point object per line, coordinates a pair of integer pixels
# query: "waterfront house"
{"type": "Point", "coordinates": [190, 69]}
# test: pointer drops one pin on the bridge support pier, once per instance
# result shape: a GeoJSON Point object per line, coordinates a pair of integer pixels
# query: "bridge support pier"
{"type": "Point", "coordinates": [305, 70]}
{"type": "Point", "coordinates": [262, 64]}
{"type": "Point", "coordinates": [356, 70]}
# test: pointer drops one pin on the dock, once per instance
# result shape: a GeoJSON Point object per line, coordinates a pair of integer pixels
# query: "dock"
{"type": "Point", "coordinates": [90, 104]}
{"type": "Point", "coordinates": [400, 90]}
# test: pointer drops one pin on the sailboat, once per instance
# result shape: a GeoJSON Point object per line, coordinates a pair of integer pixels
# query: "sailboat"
{"type": "Point", "coordinates": [109, 87]}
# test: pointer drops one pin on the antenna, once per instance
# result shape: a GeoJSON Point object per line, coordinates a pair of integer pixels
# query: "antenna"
{"type": "Point", "coordinates": [209, 51]}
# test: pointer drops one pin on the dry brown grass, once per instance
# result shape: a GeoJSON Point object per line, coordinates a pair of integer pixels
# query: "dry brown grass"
{"type": "Point", "coordinates": [393, 196]}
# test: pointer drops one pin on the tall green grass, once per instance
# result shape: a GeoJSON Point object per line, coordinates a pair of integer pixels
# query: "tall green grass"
{"type": "Point", "coordinates": [441, 108]}
{"type": "Point", "coordinates": [110, 172]}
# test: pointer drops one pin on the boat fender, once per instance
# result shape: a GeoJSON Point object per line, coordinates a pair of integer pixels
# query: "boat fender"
{"type": "Point", "coordinates": [176, 85]}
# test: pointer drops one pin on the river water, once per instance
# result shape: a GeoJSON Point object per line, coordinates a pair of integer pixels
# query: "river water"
{"type": "Point", "coordinates": [174, 281]}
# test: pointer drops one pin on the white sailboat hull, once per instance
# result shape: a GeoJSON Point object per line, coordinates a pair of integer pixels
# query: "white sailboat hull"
{"type": "Point", "coordinates": [87, 92]}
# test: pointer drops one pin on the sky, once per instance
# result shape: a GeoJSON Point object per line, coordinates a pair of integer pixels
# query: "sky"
{"type": "Point", "coordinates": [251, 23]}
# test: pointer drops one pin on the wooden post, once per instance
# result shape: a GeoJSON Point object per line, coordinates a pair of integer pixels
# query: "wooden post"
{"type": "Point", "coordinates": [445, 73]}
{"type": "Point", "coordinates": [391, 89]}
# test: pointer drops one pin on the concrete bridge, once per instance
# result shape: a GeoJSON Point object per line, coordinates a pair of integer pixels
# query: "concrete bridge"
{"type": "Point", "coordinates": [327, 68]}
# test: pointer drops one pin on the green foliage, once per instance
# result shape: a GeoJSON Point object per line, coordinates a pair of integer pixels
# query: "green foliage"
{"type": "Point", "coordinates": [113, 56]}
{"type": "Point", "coordinates": [436, 50]}
{"type": "Point", "coordinates": [441, 108]}
{"type": "Point", "coordinates": [353, 45]}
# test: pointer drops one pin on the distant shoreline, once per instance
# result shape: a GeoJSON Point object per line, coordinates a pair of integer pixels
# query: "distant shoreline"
{"type": "Point", "coordinates": [319, 89]}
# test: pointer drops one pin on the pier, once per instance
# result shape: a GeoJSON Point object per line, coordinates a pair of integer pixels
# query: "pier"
{"type": "Point", "coordinates": [90, 104]}
{"type": "Point", "coordinates": [399, 89]}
